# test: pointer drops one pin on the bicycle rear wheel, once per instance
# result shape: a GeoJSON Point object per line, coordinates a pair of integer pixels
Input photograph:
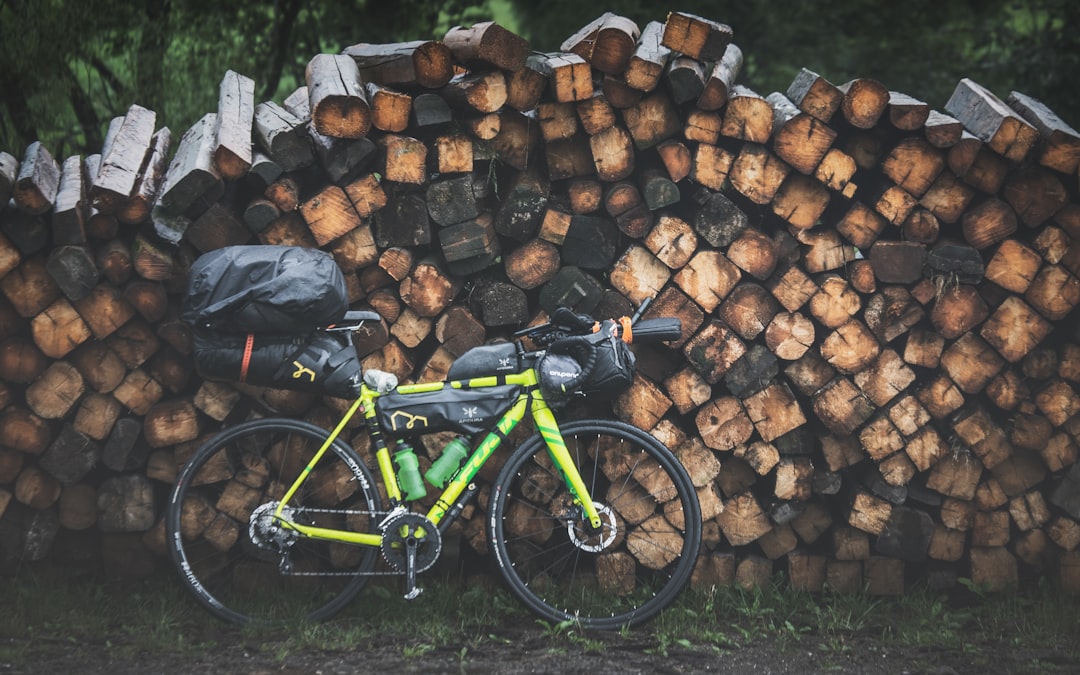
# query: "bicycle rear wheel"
{"type": "Point", "coordinates": [225, 544]}
{"type": "Point", "coordinates": [640, 560]}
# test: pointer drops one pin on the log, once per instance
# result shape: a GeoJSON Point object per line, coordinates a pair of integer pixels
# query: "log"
{"type": "Point", "coordinates": [638, 275]}
{"type": "Point", "coordinates": [122, 160]}
{"type": "Point", "coordinates": [477, 92]}
{"type": "Point", "coordinates": [487, 43]}
{"type": "Point", "coordinates": [192, 182]}
{"type": "Point", "coordinates": [1035, 194]}
{"type": "Point", "coordinates": [713, 350]}
{"type": "Point", "coordinates": [424, 63]}
{"type": "Point", "coordinates": [708, 278]}
{"type": "Point", "coordinates": [1060, 146]}
{"type": "Point", "coordinates": [37, 181]}
{"type": "Point", "coordinates": [948, 197]}
{"type": "Point", "coordinates": [339, 105]}
{"type": "Point", "coordinates": [907, 113]}
{"type": "Point", "coordinates": [841, 406]}
{"type": "Point", "coordinates": [721, 80]}
{"type": "Point", "coordinates": [801, 201]}
{"type": "Point", "coordinates": [69, 213]}
{"type": "Point", "coordinates": [695, 36]}
{"type": "Point", "coordinates": [865, 100]}
{"type": "Point", "coordinates": [533, 264]}
{"type": "Point", "coordinates": [138, 206]}
{"type": "Point", "coordinates": [941, 130]}
{"type": "Point", "coordinates": [815, 95]}
{"type": "Point", "coordinates": [800, 139]}
{"type": "Point", "coordinates": [913, 164]}
{"type": "Point", "coordinates": [757, 173]}
{"type": "Point", "coordinates": [747, 116]}
{"type": "Point", "coordinates": [233, 124]}
{"type": "Point", "coordinates": [647, 62]}
{"type": "Point", "coordinates": [525, 86]}
{"type": "Point", "coordinates": [991, 120]}
{"type": "Point", "coordinates": [651, 120]}
{"type": "Point", "coordinates": [9, 170]}
{"type": "Point", "coordinates": [569, 76]}
{"type": "Point", "coordinates": [685, 78]}
{"type": "Point", "coordinates": [606, 43]}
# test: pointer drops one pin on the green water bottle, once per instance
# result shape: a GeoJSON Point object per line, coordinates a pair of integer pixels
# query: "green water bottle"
{"type": "Point", "coordinates": [448, 463]}
{"type": "Point", "coordinates": [408, 472]}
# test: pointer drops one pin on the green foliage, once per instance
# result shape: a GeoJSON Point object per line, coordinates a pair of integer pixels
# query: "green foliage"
{"type": "Point", "coordinates": [68, 66]}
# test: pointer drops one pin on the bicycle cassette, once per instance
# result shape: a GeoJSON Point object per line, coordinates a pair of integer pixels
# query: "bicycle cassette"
{"type": "Point", "coordinates": [411, 530]}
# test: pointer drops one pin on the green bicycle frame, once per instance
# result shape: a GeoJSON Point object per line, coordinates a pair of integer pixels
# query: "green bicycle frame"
{"type": "Point", "coordinates": [531, 400]}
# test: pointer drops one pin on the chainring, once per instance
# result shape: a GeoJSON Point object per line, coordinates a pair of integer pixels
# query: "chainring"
{"type": "Point", "coordinates": [401, 530]}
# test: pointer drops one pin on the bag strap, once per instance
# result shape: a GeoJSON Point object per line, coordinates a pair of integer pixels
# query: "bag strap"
{"type": "Point", "coordinates": [249, 345]}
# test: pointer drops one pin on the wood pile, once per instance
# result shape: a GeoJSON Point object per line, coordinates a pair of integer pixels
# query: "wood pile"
{"type": "Point", "coordinates": [879, 369]}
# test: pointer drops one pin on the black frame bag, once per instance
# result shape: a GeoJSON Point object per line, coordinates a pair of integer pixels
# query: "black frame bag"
{"type": "Point", "coordinates": [467, 411]}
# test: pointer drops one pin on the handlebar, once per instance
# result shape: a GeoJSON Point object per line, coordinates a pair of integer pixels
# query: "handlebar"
{"type": "Point", "coordinates": [566, 323]}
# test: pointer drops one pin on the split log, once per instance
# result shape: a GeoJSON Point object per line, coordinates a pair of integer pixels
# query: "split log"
{"type": "Point", "coordinates": [1060, 147]}
{"type": "Point", "coordinates": [646, 64]}
{"type": "Point", "coordinates": [191, 184]}
{"type": "Point", "coordinates": [800, 139]}
{"type": "Point", "coordinates": [815, 95]}
{"type": "Point", "coordinates": [695, 36]}
{"type": "Point", "coordinates": [722, 79]}
{"type": "Point", "coordinates": [991, 120]}
{"type": "Point", "coordinates": [37, 181]}
{"type": "Point", "coordinates": [233, 124]}
{"type": "Point", "coordinates": [138, 206]}
{"type": "Point", "coordinates": [69, 213]}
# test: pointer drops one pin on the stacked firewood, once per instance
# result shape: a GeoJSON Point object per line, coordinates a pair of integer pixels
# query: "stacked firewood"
{"type": "Point", "coordinates": [878, 373]}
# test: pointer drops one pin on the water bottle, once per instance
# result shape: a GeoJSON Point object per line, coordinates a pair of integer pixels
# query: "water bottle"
{"type": "Point", "coordinates": [448, 463]}
{"type": "Point", "coordinates": [408, 472]}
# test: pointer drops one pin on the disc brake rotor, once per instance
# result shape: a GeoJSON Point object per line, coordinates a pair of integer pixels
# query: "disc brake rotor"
{"type": "Point", "coordinates": [594, 543]}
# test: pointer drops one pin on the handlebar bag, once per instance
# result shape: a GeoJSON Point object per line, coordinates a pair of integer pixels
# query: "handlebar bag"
{"type": "Point", "coordinates": [319, 362]}
{"type": "Point", "coordinates": [264, 289]}
{"type": "Point", "coordinates": [599, 364]}
{"type": "Point", "coordinates": [467, 411]}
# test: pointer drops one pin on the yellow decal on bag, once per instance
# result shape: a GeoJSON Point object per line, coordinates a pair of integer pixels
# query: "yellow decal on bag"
{"type": "Point", "coordinates": [410, 421]}
{"type": "Point", "coordinates": [302, 370]}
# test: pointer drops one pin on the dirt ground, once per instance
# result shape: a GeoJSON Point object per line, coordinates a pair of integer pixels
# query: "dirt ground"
{"type": "Point", "coordinates": [527, 648]}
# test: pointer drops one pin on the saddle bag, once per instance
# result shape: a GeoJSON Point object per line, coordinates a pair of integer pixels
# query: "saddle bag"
{"type": "Point", "coordinates": [264, 289]}
{"type": "Point", "coordinates": [319, 362]}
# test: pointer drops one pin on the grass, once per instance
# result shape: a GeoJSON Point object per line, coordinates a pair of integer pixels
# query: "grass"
{"type": "Point", "coordinates": [157, 616]}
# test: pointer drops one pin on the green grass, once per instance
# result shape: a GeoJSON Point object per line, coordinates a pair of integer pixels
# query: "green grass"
{"type": "Point", "coordinates": [157, 615]}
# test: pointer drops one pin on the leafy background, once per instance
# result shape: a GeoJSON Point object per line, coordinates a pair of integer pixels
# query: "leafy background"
{"type": "Point", "coordinates": [68, 66]}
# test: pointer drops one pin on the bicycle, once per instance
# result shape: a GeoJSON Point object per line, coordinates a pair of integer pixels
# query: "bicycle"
{"type": "Point", "coordinates": [594, 522]}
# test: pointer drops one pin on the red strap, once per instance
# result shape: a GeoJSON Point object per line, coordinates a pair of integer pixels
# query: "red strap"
{"type": "Point", "coordinates": [248, 345]}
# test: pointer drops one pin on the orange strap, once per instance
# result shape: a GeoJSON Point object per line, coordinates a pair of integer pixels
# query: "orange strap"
{"type": "Point", "coordinates": [627, 329]}
{"type": "Point", "coordinates": [248, 345]}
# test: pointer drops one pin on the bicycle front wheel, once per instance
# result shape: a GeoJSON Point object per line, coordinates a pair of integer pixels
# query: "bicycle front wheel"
{"type": "Point", "coordinates": [227, 545]}
{"type": "Point", "coordinates": [638, 562]}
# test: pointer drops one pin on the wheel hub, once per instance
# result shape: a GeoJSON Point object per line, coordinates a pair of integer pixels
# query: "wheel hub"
{"type": "Point", "coordinates": [594, 542]}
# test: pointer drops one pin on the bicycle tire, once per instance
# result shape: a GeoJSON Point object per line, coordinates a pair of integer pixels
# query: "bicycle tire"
{"type": "Point", "coordinates": [230, 564]}
{"type": "Point", "coordinates": [543, 553]}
